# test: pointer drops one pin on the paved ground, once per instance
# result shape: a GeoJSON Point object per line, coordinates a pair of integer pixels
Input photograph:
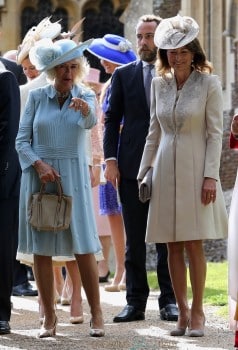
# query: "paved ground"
{"type": "Point", "coordinates": [149, 334]}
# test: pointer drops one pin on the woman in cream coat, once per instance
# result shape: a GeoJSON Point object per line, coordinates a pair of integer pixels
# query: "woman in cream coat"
{"type": "Point", "coordinates": [184, 147]}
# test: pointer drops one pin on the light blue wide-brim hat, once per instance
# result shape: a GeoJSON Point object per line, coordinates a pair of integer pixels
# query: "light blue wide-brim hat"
{"type": "Point", "coordinates": [113, 48]}
{"type": "Point", "coordinates": [47, 54]}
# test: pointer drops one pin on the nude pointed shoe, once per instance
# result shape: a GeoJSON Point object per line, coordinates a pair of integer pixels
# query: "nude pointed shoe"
{"type": "Point", "coordinates": [197, 332]}
{"type": "Point", "coordinates": [179, 331]}
{"type": "Point", "coordinates": [76, 319]}
{"type": "Point", "coordinates": [112, 288]}
{"type": "Point", "coordinates": [46, 333]}
{"type": "Point", "coordinates": [122, 286]}
{"type": "Point", "coordinates": [96, 332]}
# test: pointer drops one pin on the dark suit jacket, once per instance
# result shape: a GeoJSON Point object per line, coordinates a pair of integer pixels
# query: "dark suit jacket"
{"type": "Point", "coordinates": [10, 171]}
{"type": "Point", "coordinates": [16, 69]}
{"type": "Point", "coordinates": [127, 101]}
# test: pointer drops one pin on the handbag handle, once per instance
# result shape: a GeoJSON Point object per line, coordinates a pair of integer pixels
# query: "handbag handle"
{"type": "Point", "coordinates": [59, 190]}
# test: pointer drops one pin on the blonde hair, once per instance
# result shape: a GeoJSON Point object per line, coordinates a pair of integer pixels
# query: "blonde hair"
{"type": "Point", "coordinates": [83, 70]}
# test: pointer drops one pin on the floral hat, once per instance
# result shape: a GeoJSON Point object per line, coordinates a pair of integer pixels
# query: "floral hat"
{"type": "Point", "coordinates": [45, 29]}
{"type": "Point", "coordinates": [113, 48]}
{"type": "Point", "coordinates": [45, 54]}
{"type": "Point", "coordinates": [175, 32]}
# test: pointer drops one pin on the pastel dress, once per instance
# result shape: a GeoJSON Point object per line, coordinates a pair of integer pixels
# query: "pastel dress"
{"type": "Point", "coordinates": [57, 136]}
{"type": "Point", "coordinates": [108, 196]}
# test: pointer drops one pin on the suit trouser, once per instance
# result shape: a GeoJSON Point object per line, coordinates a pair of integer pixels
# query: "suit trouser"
{"type": "Point", "coordinates": [9, 214]}
{"type": "Point", "coordinates": [135, 221]}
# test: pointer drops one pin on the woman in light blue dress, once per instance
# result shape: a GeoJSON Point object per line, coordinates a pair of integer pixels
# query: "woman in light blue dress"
{"type": "Point", "coordinates": [51, 144]}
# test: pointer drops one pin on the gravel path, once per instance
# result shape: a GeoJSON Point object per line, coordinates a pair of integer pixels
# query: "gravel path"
{"type": "Point", "coordinates": [149, 334]}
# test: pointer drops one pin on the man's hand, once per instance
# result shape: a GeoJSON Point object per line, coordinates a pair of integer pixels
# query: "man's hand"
{"type": "Point", "coordinates": [111, 173]}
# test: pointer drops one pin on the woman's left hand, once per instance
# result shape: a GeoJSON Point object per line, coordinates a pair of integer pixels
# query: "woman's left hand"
{"type": "Point", "coordinates": [208, 190]}
{"type": "Point", "coordinates": [78, 104]}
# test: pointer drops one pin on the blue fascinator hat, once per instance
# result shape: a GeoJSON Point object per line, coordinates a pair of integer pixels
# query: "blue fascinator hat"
{"type": "Point", "coordinates": [113, 48]}
{"type": "Point", "coordinates": [47, 54]}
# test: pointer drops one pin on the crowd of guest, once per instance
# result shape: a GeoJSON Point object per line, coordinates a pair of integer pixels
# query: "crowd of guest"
{"type": "Point", "coordinates": [161, 108]}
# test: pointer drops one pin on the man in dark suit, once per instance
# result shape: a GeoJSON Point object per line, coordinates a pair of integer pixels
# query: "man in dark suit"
{"type": "Point", "coordinates": [123, 152]}
{"type": "Point", "coordinates": [15, 69]}
{"type": "Point", "coordinates": [10, 174]}
{"type": "Point", "coordinates": [21, 285]}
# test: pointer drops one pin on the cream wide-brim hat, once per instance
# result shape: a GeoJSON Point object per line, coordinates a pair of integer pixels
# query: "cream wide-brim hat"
{"type": "Point", "coordinates": [175, 32]}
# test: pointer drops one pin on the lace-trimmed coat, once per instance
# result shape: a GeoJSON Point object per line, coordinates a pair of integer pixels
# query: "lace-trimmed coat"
{"type": "Point", "coordinates": [184, 145]}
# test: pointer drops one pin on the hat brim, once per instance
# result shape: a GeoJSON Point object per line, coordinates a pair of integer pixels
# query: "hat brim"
{"type": "Point", "coordinates": [76, 52]}
{"type": "Point", "coordinates": [98, 49]}
{"type": "Point", "coordinates": [72, 54]}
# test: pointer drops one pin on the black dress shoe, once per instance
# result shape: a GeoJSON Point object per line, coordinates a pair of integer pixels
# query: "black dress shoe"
{"type": "Point", "coordinates": [24, 289]}
{"type": "Point", "coordinates": [129, 314]}
{"type": "Point", "coordinates": [5, 327]}
{"type": "Point", "coordinates": [169, 313]}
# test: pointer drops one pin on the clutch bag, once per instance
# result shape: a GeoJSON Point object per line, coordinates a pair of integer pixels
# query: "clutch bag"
{"type": "Point", "coordinates": [145, 186]}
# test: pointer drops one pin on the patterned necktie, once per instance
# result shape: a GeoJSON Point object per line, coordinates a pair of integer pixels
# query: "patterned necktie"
{"type": "Point", "coordinates": [147, 81]}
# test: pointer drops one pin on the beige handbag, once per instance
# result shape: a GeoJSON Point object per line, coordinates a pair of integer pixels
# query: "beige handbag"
{"type": "Point", "coordinates": [50, 211]}
{"type": "Point", "coordinates": [145, 186]}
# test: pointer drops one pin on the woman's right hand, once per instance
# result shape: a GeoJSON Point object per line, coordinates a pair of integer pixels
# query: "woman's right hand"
{"type": "Point", "coordinates": [46, 172]}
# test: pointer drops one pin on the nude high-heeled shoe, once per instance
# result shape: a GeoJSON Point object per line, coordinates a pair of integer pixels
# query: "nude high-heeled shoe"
{"type": "Point", "coordinates": [46, 333]}
{"type": "Point", "coordinates": [179, 331]}
{"type": "Point", "coordinates": [96, 332]}
{"type": "Point", "coordinates": [112, 288]}
{"type": "Point", "coordinates": [76, 319]}
{"type": "Point", "coordinates": [197, 332]}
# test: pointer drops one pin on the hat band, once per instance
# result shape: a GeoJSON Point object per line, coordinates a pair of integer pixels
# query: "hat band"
{"type": "Point", "coordinates": [122, 46]}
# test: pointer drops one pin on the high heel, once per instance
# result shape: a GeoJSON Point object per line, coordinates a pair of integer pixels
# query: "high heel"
{"type": "Point", "coordinates": [179, 331]}
{"type": "Point", "coordinates": [197, 332]}
{"type": "Point", "coordinates": [65, 301]}
{"type": "Point", "coordinates": [112, 288]}
{"type": "Point", "coordinates": [122, 286]}
{"type": "Point", "coordinates": [46, 333]}
{"type": "Point", "coordinates": [76, 319]}
{"type": "Point", "coordinates": [96, 332]}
